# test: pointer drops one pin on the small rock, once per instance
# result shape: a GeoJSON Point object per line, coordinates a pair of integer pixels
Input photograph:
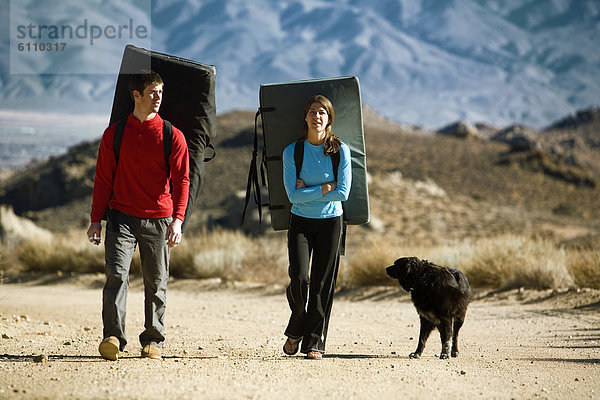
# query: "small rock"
{"type": "Point", "coordinates": [463, 372]}
{"type": "Point", "coordinates": [41, 358]}
{"type": "Point", "coordinates": [5, 336]}
{"type": "Point", "coordinates": [67, 343]}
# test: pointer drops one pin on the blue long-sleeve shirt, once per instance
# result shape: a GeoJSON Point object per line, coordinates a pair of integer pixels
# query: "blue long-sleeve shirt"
{"type": "Point", "coordinates": [317, 169]}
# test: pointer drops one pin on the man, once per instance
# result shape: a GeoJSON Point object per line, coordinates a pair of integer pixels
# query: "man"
{"type": "Point", "coordinates": [135, 194]}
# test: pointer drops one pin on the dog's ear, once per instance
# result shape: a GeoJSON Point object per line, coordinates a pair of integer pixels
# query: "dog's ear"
{"type": "Point", "coordinates": [412, 264]}
{"type": "Point", "coordinates": [402, 262]}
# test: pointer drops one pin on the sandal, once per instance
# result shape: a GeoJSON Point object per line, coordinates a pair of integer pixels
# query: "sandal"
{"type": "Point", "coordinates": [290, 347]}
{"type": "Point", "coordinates": [314, 355]}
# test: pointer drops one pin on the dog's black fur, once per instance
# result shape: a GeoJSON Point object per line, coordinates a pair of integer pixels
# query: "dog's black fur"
{"type": "Point", "coordinates": [440, 295]}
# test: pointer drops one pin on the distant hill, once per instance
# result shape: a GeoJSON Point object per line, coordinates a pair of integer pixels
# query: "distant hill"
{"type": "Point", "coordinates": [423, 186]}
{"type": "Point", "coordinates": [566, 150]}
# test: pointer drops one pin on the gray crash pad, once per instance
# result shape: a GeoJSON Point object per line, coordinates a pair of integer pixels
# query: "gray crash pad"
{"type": "Point", "coordinates": [282, 107]}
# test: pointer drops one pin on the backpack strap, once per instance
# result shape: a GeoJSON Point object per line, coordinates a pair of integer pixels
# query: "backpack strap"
{"type": "Point", "coordinates": [335, 162]}
{"type": "Point", "coordinates": [117, 139]}
{"type": "Point", "coordinates": [299, 156]}
{"type": "Point", "coordinates": [256, 167]}
{"type": "Point", "coordinates": [167, 143]}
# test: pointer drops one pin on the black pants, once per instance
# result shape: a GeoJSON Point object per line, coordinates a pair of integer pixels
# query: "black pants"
{"type": "Point", "coordinates": [311, 288]}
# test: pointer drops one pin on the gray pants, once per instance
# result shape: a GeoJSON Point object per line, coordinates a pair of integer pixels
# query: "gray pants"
{"type": "Point", "coordinates": [123, 233]}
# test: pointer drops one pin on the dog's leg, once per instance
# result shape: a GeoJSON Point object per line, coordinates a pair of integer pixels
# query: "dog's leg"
{"type": "Point", "coordinates": [445, 329]}
{"type": "Point", "coordinates": [426, 328]}
{"type": "Point", "coordinates": [458, 322]}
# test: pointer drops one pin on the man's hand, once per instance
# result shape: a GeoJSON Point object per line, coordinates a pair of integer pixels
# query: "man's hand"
{"type": "Point", "coordinates": [173, 236]}
{"type": "Point", "coordinates": [300, 184]}
{"type": "Point", "coordinates": [94, 233]}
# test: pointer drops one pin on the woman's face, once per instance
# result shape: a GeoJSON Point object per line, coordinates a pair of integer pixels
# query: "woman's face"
{"type": "Point", "coordinates": [317, 117]}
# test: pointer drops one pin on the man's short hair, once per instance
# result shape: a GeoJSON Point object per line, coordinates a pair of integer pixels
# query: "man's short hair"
{"type": "Point", "coordinates": [143, 78]}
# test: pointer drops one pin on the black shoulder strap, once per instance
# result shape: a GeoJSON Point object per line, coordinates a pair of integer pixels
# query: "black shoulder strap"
{"type": "Point", "coordinates": [335, 162]}
{"type": "Point", "coordinates": [299, 156]}
{"type": "Point", "coordinates": [118, 138]}
{"type": "Point", "coordinates": [167, 143]}
{"type": "Point", "coordinates": [256, 167]}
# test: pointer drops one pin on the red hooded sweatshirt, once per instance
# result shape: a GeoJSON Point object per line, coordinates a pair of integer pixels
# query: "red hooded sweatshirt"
{"type": "Point", "coordinates": [139, 184]}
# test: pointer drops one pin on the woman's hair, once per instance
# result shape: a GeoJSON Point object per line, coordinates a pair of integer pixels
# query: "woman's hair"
{"type": "Point", "coordinates": [143, 78]}
{"type": "Point", "coordinates": [332, 143]}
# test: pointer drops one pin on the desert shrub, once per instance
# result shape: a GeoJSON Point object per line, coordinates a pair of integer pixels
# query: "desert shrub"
{"type": "Point", "coordinates": [511, 261]}
{"type": "Point", "coordinates": [230, 255]}
{"type": "Point", "coordinates": [365, 265]}
{"type": "Point", "coordinates": [3, 264]}
{"type": "Point", "coordinates": [65, 253]}
{"type": "Point", "coordinates": [267, 262]}
{"type": "Point", "coordinates": [584, 267]}
{"type": "Point", "coordinates": [225, 254]}
{"type": "Point", "coordinates": [209, 255]}
{"type": "Point", "coordinates": [505, 261]}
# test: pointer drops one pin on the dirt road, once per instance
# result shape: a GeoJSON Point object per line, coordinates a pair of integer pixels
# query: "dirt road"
{"type": "Point", "coordinates": [225, 343]}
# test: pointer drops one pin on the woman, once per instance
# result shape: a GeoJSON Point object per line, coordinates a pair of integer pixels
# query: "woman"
{"type": "Point", "coordinates": [315, 227]}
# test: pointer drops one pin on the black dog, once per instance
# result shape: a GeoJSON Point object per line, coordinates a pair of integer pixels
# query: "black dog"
{"type": "Point", "coordinates": [440, 295]}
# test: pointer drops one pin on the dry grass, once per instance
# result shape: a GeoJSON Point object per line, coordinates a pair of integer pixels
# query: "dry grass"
{"type": "Point", "coordinates": [230, 255]}
{"type": "Point", "coordinates": [511, 261]}
{"type": "Point", "coordinates": [64, 253]}
{"type": "Point", "coordinates": [365, 265]}
{"type": "Point", "coordinates": [584, 267]}
{"type": "Point", "coordinates": [503, 262]}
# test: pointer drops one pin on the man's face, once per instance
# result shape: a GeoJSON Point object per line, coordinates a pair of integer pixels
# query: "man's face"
{"type": "Point", "coordinates": [149, 101]}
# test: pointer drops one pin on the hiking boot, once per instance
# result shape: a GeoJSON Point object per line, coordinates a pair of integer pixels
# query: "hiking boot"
{"type": "Point", "coordinates": [109, 348]}
{"type": "Point", "coordinates": [151, 351]}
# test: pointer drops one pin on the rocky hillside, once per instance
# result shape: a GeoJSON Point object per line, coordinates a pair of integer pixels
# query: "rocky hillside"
{"type": "Point", "coordinates": [567, 150]}
{"type": "Point", "coordinates": [429, 186]}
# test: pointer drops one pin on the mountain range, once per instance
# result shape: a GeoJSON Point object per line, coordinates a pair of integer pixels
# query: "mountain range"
{"type": "Point", "coordinates": [426, 62]}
